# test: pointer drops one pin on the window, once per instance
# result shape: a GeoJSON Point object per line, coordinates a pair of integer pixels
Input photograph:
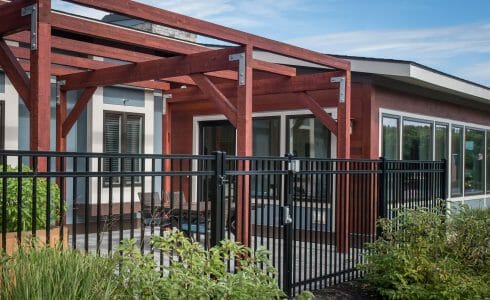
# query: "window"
{"type": "Point", "coordinates": [2, 82]}
{"type": "Point", "coordinates": [2, 125]}
{"type": "Point", "coordinates": [488, 162]}
{"type": "Point", "coordinates": [456, 161]}
{"type": "Point", "coordinates": [217, 136]}
{"type": "Point", "coordinates": [442, 141]}
{"type": "Point", "coordinates": [417, 140]}
{"type": "Point", "coordinates": [123, 133]}
{"type": "Point", "coordinates": [308, 137]}
{"type": "Point", "coordinates": [266, 136]}
{"type": "Point", "coordinates": [390, 138]}
{"type": "Point", "coordinates": [474, 173]}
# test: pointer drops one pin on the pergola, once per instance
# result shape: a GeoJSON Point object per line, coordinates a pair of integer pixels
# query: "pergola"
{"type": "Point", "coordinates": [51, 43]}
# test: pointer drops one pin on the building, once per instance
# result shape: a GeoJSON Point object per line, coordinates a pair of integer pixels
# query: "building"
{"type": "Point", "coordinates": [399, 110]}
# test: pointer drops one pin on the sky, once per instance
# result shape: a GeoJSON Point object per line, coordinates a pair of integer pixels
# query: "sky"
{"type": "Point", "coordinates": [452, 36]}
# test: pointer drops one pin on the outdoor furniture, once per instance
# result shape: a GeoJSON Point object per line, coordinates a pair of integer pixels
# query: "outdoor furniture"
{"type": "Point", "coordinates": [157, 215]}
{"type": "Point", "coordinates": [189, 217]}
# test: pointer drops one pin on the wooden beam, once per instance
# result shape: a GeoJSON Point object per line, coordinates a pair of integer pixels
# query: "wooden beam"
{"type": "Point", "coordinates": [60, 117]}
{"type": "Point", "coordinates": [77, 110]}
{"type": "Point", "coordinates": [86, 63]}
{"type": "Point", "coordinates": [215, 60]}
{"type": "Point", "coordinates": [318, 112]}
{"type": "Point", "coordinates": [221, 102]}
{"type": "Point", "coordinates": [12, 20]}
{"type": "Point", "coordinates": [273, 68]}
{"type": "Point", "coordinates": [163, 17]}
{"type": "Point", "coordinates": [300, 83]}
{"type": "Point", "coordinates": [40, 92]}
{"type": "Point", "coordinates": [55, 70]}
{"type": "Point", "coordinates": [15, 73]}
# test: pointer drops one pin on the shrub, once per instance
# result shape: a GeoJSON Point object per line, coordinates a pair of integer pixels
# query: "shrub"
{"type": "Point", "coordinates": [26, 201]}
{"type": "Point", "coordinates": [423, 255]}
{"type": "Point", "coordinates": [194, 273]}
{"type": "Point", "coordinates": [49, 273]}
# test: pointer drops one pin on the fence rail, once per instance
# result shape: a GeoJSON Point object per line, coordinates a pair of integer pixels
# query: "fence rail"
{"type": "Point", "coordinates": [314, 215]}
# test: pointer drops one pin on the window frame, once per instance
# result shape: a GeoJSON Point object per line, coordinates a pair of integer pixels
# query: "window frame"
{"type": "Point", "coordinates": [482, 192]}
{"type": "Point", "coordinates": [399, 134]}
{"type": "Point", "coordinates": [417, 120]}
{"type": "Point", "coordinates": [123, 115]}
{"type": "Point", "coordinates": [288, 134]}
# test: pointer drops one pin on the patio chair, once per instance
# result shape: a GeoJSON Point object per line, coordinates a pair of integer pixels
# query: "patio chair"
{"type": "Point", "coordinates": [157, 216]}
{"type": "Point", "coordinates": [188, 223]}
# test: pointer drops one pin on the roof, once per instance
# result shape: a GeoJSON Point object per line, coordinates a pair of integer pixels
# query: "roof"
{"type": "Point", "coordinates": [401, 70]}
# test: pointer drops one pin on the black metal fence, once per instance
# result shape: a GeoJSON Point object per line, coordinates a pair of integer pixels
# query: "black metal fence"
{"type": "Point", "coordinates": [314, 215]}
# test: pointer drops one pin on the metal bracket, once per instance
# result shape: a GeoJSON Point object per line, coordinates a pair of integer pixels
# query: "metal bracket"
{"type": "Point", "coordinates": [241, 66]}
{"type": "Point", "coordinates": [31, 10]}
{"type": "Point", "coordinates": [341, 81]}
{"type": "Point", "coordinates": [287, 215]}
{"type": "Point", "coordinates": [58, 88]}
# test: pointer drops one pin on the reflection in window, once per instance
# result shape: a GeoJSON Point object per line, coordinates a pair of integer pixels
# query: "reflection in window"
{"type": "Point", "coordinates": [417, 140]}
{"type": "Point", "coordinates": [308, 137]}
{"type": "Point", "coordinates": [442, 143]}
{"type": "Point", "coordinates": [456, 160]}
{"type": "Point", "coordinates": [391, 140]}
{"type": "Point", "coordinates": [2, 82]}
{"type": "Point", "coordinates": [488, 163]}
{"type": "Point", "coordinates": [474, 161]}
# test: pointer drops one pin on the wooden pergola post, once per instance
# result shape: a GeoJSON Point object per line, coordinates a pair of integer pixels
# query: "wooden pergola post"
{"type": "Point", "coordinates": [244, 142]}
{"type": "Point", "coordinates": [40, 92]}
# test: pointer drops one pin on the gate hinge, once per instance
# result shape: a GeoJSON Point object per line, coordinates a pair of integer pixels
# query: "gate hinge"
{"type": "Point", "coordinates": [31, 10]}
{"type": "Point", "coordinates": [341, 81]}
{"type": "Point", "coordinates": [241, 66]}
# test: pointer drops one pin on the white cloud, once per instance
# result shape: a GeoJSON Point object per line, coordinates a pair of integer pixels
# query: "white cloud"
{"type": "Point", "coordinates": [424, 44]}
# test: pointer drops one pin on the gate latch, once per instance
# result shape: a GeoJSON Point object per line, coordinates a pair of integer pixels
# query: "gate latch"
{"type": "Point", "coordinates": [287, 215]}
{"type": "Point", "coordinates": [222, 180]}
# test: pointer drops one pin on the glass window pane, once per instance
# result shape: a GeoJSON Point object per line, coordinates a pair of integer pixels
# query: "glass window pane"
{"type": "Point", "coordinates": [266, 136]}
{"type": "Point", "coordinates": [442, 142]}
{"type": "Point", "coordinates": [308, 137]}
{"type": "Point", "coordinates": [417, 140]}
{"type": "Point", "coordinates": [488, 162]}
{"type": "Point", "coordinates": [2, 82]}
{"type": "Point", "coordinates": [391, 139]}
{"type": "Point", "coordinates": [218, 136]}
{"type": "Point", "coordinates": [474, 161]}
{"type": "Point", "coordinates": [456, 161]}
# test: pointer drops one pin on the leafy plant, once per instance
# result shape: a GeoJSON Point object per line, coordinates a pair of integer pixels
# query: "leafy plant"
{"type": "Point", "coordinates": [194, 273]}
{"type": "Point", "coordinates": [26, 202]}
{"type": "Point", "coordinates": [50, 273]}
{"type": "Point", "coordinates": [423, 255]}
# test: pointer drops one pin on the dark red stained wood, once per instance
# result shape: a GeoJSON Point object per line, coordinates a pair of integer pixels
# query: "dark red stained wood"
{"type": "Point", "coordinates": [77, 110]}
{"type": "Point", "coordinates": [40, 92]}
{"type": "Point", "coordinates": [273, 68]}
{"type": "Point", "coordinates": [342, 218]}
{"type": "Point", "coordinates": [80, 62]}
{"type": "Point", "coordinates": [319, 112]}
{"type": "Point", "coordinates": [15, 73]}
{"type": "Point", "coordinates": [244, 147]}
{"type": "Point", "coordinates": [11, 19]}
{"type": "Point", "coordinates": [88, 48]}
{"type": "Point", "coordinates": [163, 17]}
{"type": "Point", "coordinates": [223, 104]}
{"type": "Point", "coordinates": [209, 61]}
{"type": "Point", "coordinates": [55, 70]}
{"type": "Point", "coordinates": [300, 83]}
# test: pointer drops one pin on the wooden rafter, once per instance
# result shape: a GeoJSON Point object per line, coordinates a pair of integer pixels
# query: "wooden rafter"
{"type": "Point", "coordinates": [77, 110]}
{"type": "Point", "coordinates": [215, 60]}
{"type": "Point", "coordinates": [223, 104]}
{"type": "Point", "coordinates": [167, 18]}
{"type": "Point", "coordinates": [12, 21]}
{"type": "Point", "coordinates": [300, 83]}
{"type": "Point", "coordinates": [318, 112]}
{"type": "Point", "coordinates": [15, 72]}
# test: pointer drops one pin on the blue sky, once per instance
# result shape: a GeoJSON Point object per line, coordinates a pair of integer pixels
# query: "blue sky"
{"type": "Point", "coordinates": [448, 35]}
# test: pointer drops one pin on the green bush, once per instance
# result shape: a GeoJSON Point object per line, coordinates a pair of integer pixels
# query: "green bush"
{"type": "Point", "coordinates": [424, 255]}
{"type": "Point", "coordinates": [195, 273]}
{"type": "Point", "coordinates": [49, 273]}
{"type": "Point", "coordinates": [26, 201]}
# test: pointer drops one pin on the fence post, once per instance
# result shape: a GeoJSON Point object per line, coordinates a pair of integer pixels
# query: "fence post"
{"type": "Point", "coordinates": [381, 193]}
{"type": "Point", "coordinates": [217, 204]}
{"type": "Point", "coordinates": [444, 182]}
{"type": "Point", "coordinates": [288, 228]}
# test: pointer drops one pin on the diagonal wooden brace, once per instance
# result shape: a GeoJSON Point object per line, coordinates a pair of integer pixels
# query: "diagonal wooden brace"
{"type": "Point", "coordinates": [319, 112]}
{"type": "Point", "coordinates": [77, 110]}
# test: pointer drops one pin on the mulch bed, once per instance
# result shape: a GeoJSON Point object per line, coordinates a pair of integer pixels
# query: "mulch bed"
{"type": "Point", "coordinates": [347, 290]}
